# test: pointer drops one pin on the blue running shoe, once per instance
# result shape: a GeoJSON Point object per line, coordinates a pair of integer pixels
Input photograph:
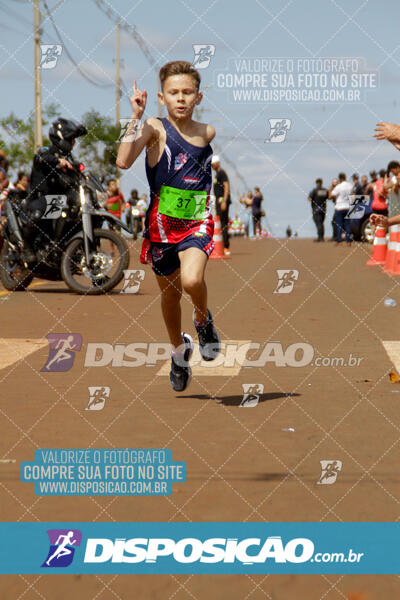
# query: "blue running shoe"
{"type": "Point", "coordinates": [209, 340]}
{"type": "Point", "coordinates": [181, 373]}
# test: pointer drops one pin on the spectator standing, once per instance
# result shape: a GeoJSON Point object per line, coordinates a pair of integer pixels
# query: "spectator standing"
{"type": "Point", "coordinates": [318, 197]}
{"type": "Point", "coordinates": [222, 200]}
{"type": "Point", "coordinates": [334, 234]}
{"type": "Point", "coordinates": [22, 182]}
{"type": "Point", "coordinates": [357, 187]}
{"type": "Point", "coordinates": [379, 203]}
{"type": "Point", "coordinates": [257, 212]}
{"type": "Point", "coordinates": [247, 201]}
{"type": "Point", "coordinates": [341, 194]}
{"type": "Point", "coordinates": [364, 185]}
{"type": "Point", "coordinates": [115, 199]}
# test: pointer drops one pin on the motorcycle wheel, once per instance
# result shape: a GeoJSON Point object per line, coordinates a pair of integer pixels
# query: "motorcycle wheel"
{"type": "Point", "coordinates": [107, 264]}
{"type": "Point", "coordinates": [13, 274]}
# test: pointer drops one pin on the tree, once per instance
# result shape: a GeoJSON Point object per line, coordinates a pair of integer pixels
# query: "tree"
{"type": "Point", "coordinates": [100, 146]}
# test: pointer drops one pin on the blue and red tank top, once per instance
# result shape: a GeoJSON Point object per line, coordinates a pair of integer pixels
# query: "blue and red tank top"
{"type": "Point", "coordinates": [182, 166]}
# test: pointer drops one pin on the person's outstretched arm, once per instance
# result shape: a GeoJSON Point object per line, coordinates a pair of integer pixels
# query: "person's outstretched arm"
{"type": "Point", "coordinates": [131, 144]}
{"type": "Point", "coordinates": [388, 131]}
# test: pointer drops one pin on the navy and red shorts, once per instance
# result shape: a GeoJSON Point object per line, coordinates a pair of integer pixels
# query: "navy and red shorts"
{"type": "Point", "coordinates": [164, 257]}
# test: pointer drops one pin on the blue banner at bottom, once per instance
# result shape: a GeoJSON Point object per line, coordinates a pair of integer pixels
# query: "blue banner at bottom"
{"type": "Point", "coordinates": [208, 548]}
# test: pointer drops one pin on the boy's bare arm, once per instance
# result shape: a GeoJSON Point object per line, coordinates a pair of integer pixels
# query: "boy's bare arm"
{"type": "Point", "coordinates": [131, 146]}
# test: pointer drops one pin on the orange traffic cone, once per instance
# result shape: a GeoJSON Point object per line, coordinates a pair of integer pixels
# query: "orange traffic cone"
{"type": "Point", "coordinates": [392, 249]}
{"type": "Point", "coordinates": [378, 255]}
{"type": "Point", "coordinates": [396, 261]}
{"type": "Point", "coordinates": [218, 251]}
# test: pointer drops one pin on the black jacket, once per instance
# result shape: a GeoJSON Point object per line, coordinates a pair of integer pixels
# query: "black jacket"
{"type": "Point", "coordinates": [47, 177]}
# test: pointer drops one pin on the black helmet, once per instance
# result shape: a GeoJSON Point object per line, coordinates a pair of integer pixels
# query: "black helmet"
{"type": "Point", "coordinates": [63, 132]}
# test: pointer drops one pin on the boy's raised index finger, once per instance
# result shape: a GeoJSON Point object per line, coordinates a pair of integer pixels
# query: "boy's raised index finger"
{"type": "Point", "coordinates": [134, 86]}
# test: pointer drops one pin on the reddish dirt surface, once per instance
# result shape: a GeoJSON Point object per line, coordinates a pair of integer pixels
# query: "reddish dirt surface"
{"type": "Point", "coordinates": [241, 466]}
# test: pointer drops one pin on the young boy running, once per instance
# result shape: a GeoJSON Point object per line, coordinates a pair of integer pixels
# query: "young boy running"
{"type": "Point", "coordinates": [179, 225]}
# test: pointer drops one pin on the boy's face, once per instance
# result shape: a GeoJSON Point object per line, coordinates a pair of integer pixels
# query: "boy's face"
{"type": "Point", "coordinates": [180, 96]}
{"type": "Point", "coordinates": [112, 187]}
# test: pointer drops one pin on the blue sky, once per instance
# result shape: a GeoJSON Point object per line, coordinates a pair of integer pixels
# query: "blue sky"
{"type": "Point", "coordinates": [324, 138]}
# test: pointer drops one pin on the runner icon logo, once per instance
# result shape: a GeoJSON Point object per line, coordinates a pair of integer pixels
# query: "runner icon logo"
{"type": "Point", "coordinates": [358, 206]}
{"type": "Point", "coordinates": [50, 54]}
{"type": "Point", "coordinates": [54, 206]}
{"type": "Point", "coordinates": [62, 348]}
{"type": "Point", "coordinates": [329, 471]}
{"type": "Point", "coordinates": [202, 55]}
{"type": "Point", "coordinates": [132, 281]}
{"type": "Point", "coordinates": [251, 394]}
{"type": "Point", "coordinates": [97, 397]}
{"type": "Point", "coordinates": [278, 130]}
{"type": "Point", "coordinates": [286, 280]}
{"type": "Point", "coordinates": [62, 547]}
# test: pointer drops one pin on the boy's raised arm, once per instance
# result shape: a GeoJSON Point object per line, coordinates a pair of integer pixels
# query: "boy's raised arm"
{"type": "Point", "coordinates": [131, 144]}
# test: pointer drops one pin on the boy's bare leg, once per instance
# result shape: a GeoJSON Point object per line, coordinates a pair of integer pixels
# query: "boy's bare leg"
{"type": "Point", "coordinates": [171, 292]}
{"type": "Point", "coordinates": [193, 264]}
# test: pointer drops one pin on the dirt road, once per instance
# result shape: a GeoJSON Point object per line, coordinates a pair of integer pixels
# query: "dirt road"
{"type": "Point", "coordinates": [259, 464]}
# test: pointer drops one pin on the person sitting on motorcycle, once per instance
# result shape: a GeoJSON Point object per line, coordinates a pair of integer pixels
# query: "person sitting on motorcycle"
{"type": "Point", "coordinates": [52, 174]}
{"type": "Point", "coordinates": [133, 198]}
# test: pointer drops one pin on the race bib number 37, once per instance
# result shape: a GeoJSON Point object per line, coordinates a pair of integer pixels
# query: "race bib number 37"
{"type": "Point", "coordinates": [182, 204]}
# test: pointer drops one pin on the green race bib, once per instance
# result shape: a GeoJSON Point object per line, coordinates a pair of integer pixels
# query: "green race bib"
{"type": "Point", "coordinates": [182, 204]}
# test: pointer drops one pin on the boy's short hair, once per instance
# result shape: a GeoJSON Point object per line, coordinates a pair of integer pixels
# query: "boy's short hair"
{"type": "Point", "coordinates": [342, 176]}
{"type": "Point", "coordinates": [179, 67]}
{"type": "Point", "coordinates": [319, 180]}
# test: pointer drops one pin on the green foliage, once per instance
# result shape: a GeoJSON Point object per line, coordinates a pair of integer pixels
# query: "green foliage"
{"type": "Point", "coordinates": [98, 149]}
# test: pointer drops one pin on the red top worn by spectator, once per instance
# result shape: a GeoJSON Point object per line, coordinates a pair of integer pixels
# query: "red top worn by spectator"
{"type": "Point", "coordinates": [115, 199]}
{"type": "Point", "coordinates": [114, 204]}
{"type": "Point", "coordinates": [379, 195]}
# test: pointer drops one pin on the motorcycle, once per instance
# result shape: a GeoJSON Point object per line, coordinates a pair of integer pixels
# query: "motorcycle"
{"type": "Point", "coordinates": [134, 219]}
{"type": "Point", "coordinates": [69, 242]}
